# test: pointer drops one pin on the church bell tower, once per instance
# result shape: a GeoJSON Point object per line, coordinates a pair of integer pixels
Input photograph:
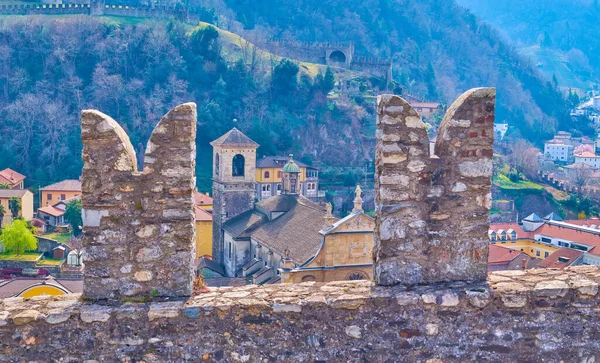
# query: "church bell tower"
{"type": "Point", "coordinates": [234, 182]}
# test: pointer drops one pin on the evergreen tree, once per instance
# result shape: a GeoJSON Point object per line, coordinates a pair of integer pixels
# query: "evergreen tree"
{"type": "Point", "coordinates": [73, 216]}
{"type": "Point", "coordinates": [328, 80]}
{"type": "Point", "coordinates": [14, 204]}
{"type": "Point", "coordinates": [2, 212]}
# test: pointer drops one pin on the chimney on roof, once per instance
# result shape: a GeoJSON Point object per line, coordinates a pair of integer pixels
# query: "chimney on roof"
{"type": "Point", "coordinates": [524, 264]}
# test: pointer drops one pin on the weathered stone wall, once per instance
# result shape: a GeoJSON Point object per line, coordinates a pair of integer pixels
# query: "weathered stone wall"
{"type": "Point", "coordinates": [432, 211]}
{"type": "Point", "coordinates": [138, 225]}
{"type": "Point", "coordinates": [532, 316]}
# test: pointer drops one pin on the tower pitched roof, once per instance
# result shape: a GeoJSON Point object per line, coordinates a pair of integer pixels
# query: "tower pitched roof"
{"type": "Point", "coordinates": [533, 218]}
{"type": "Point", "coordinates": [234, 137]}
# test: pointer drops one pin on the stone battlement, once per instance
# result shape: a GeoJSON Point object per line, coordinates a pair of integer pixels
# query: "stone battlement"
{"type": "Point", "coordinates": [528, 315]}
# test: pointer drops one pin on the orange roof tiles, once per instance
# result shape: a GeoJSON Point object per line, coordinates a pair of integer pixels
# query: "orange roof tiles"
{"type": "Point", "coordinates": [66, 185]}
{"type": "Point", "coordinates": [10, 176]}
{"type": "Point", "coordinates": [53, 211]}
{"type": "Point", "coordinates": [202, 199]}
{"type": "Point", "coordinates": [501, 255]}
{"type": "Point", "coordinates": [202, 215]}
{"type": "Point", "coordinates": [560, 258]}
{"type": "Point", "coordinates": [555, 231]}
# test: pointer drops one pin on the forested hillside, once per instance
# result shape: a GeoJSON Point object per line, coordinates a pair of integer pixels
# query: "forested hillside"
{"type": "Point", "coordinates": [53, 67]}
{"type": "Point", "coordinates": [439, 50]}
{"type": "Point", "coordinates": [568, 27]}
{"type": "Point", "coordinates": [135, 73]}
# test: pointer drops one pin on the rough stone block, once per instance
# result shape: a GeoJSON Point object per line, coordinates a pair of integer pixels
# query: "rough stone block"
{"type": "Point", "coordinates": [130, 216]}
{"type": "Point", "coordinates": [443, 237]}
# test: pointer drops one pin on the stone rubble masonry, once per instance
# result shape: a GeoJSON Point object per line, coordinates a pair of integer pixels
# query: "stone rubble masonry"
{"type": "Point", "coordinates": [526, 316]}
{"type": "Point", "coordinates": [432, 210]}
{"type": "Point", "coordinates": [138, 226]}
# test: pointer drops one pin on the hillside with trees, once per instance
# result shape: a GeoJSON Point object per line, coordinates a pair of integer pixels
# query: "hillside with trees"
{"type": "Point", "coordinates": [53, 67]}
{"type": "Point", "coordinates": [559, 34]}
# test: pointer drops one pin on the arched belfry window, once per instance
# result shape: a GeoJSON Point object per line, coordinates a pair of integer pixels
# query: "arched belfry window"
{"type": "Point", "coordinates": [267, 174]}
{"type": "Point", "coordinates": [217, 164]}
{"type": "Point", "coordinates": [237, 167]}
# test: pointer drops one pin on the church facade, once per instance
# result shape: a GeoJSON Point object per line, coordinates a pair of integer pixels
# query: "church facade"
{"type": "Point", "coordinates": [286, 237]}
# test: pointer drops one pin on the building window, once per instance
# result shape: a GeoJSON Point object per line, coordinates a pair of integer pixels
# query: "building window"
{"type": "Point", "coordinates": [537, 253]}
{"type": "Point", "coordinates": [217, 164]}
{"type": "Point", "coordinates": [356, 276]}
{"type": "Point", "coordinates": [230, 250]}
{"type": "Point", "coordinates": [267, 175]}
{"type": "Point", "coordinates": [547, 240]}
{"type": "Point", "coordinates": [49, 196]}
{"type": "Point", "coordinates": [545, 254]}
{"type": "Point", "coordinates": [279, 174]}
{"type": "Point", "coordinates": [63, 197]}
{"type": "Point", "coordinates": [237, 167]}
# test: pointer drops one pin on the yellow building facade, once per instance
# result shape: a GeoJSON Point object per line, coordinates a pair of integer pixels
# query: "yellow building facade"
{"type": "Point", "coordinates": [26, 198]}
{"type": "Point", "coordinates": [66, 189]}
{"type": "Point", "coordinates": [530, 247]}
{"type": "Point", "coordinates": [203, 232]}
{"type": "Point", "coordinates": [345, 254]}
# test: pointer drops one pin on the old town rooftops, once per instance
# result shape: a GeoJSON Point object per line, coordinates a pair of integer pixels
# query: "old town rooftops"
{"type": "Point", "coordinates": [10, 176]}
{"type": "Point", "coordinates": [568, 231]}
{"type": "Point", "coordinates": [70, 185]}
{"type": "Point", "coordinates": [282, 223]}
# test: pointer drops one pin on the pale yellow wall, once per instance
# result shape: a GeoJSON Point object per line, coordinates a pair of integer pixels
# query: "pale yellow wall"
{"type": "Point", "coordinates": [273, 175]}
{"type": "Point", "coordinates": [529, 247]}
{"type": "Point", "coordinates": [26, 208]}
{"type": "Point", "coordinates": [55, 194]}
{"type": "Point", "coordinates": [351, 245]}
{"type": "Point", "coordinates": [203, 238]}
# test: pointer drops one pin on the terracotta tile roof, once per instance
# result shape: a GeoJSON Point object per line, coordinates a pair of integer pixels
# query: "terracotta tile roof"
{"type": "Point", "coordinates": [70, 185]}
{"type": "Point", "coordinates": [587, 154]}
{"type": "Point", "coordinates": [9, 193]}
{"type": "Point", "coordinates": [560, 258]}
{"type": "Point", "coordinates": [559, 230]}
{"type": "Point", "coordinates": [502, 256]}
{"type": "Point", "coordinates": [202, 215]}
{"type": "Point", "coordinates": [234, 138]}
{"type": "Point", "coordinates": [424, 104]}
{"type": "Point", "coordinates": [202, 199]}
{"type": "Point", "coordinates": [10, 176]}
{"type": "Point", "coordinates": [53, 211]}
{"type": "Point", "coordinates": [38, 222]}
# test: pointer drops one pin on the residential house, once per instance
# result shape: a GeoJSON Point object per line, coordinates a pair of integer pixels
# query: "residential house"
{"type": "Point", "coordinates": [203, 201]}
{"type": "Point", "coordinates": [426, 109]}
{"type": "Point", "coordinates": [559, 150]}
{"type": "Point", "coordinates": [501, 258]}
{"type": "Point", "coordinates": [62, 190]}
{"type": "Point", "coordinates": [12, 178]}
{"type": "Point", "coordinates": [269, 178]}
{"type": "Point", "coordinates": [588, 158]}
{"type": "Point", "coordinates": [561, 258]}
{"type": "Point", "coordinates": [542, 237]}
{"type": "Point", "coordinates": [26, 198]}
{"type": "Point", "coordinates": [53, 215]}
{"type": "Point", "coordinates": [203, 232]}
